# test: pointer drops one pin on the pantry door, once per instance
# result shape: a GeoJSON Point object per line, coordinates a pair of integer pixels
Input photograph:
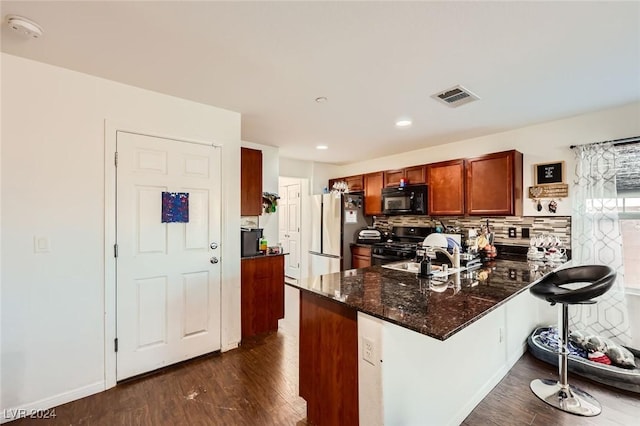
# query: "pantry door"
{"type": "Point", "coordinates": [292, 265]}
{"type": "Point", "coordinates": [289, 227]}
{"type": "Point", "coordinates": [168, 273]}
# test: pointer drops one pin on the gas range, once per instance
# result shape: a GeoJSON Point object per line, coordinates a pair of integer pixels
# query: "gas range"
{"type": "Point", "coordinates": [394, 247]}
{"type": "Point", "coordinates": [402, 245]}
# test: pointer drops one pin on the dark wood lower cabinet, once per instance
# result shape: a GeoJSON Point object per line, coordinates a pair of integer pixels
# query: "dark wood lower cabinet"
{"type": "Point", "coordinates": [328, 361]}
{"type": "Point", "coordinates": [360, 257]}
{"type": "Point", "coordinates": [261, 294]}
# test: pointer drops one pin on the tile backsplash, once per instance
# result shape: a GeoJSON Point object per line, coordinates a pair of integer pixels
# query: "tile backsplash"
{"type": "Point", "coordinates": [556, 225]}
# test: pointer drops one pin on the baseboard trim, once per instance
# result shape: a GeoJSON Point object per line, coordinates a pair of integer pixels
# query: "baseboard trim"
{"type": "Point", "coordinates": [40, 407]}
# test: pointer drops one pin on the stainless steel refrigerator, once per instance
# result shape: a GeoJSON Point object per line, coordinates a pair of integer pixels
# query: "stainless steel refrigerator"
{"type": "Point", "coordinates": [335, 220]}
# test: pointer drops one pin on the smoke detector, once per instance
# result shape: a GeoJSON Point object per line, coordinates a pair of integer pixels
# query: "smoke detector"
{"type": "Point", "coordinates": [455, 96]}
{"type": "Point", "coordinates": [24, 26]}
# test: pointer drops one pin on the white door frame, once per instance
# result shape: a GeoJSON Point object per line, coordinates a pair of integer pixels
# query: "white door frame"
{"type": "Point", "coordinates": [111, 129]}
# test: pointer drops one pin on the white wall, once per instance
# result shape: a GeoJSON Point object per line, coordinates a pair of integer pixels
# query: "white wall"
{"type": "Point", "coordinates": [317, 173]}
{"type": "Point", "coordinates": [270, 172]}
{"type": "Point", "coordinates": [53, 168]}
{"type": "Point", "coordinates": [296, 168]}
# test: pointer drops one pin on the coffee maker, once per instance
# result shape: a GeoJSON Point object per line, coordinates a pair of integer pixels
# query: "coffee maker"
{"type": "Point", "coordinates": [250, 241]}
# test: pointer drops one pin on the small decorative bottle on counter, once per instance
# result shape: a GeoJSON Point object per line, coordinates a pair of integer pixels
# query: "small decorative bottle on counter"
{"type": "Point", "coordinates": [425, 266]}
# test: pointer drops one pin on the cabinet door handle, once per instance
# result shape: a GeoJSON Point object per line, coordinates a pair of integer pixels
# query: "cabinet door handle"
{"type": "Point", "coordinates": [214, 260]}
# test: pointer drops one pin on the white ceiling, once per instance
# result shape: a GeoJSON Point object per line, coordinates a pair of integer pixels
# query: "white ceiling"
{"type": "Point", "coordinates": [375, 62]}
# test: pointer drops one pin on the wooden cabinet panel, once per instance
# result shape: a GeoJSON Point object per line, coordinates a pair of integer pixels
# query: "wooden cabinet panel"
{"type": "Point", "coordinates": [416, 174]}
{"type": "Point", "coordinates": [328, 362]}
{"type": "Point", "coordinates": [355, 183]}
{"type": "Point", "coordinates": [494, 184]}
{"type": "Point", "coordinates": [360, 257]}
{"type": "Point", "coordinates": [392, 177]}
{"type": "Point", "coordinates": [373, 193]}
{"type": "Point", "coordinates": [261, 294]}
{"type": "Point", "coordinates": [250, 182]}
{"type": "Point", "coordinates": [446, 188]}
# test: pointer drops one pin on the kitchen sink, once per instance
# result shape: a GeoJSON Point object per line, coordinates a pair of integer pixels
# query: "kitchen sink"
{"type": "Point", "coordinates": [408, 266]}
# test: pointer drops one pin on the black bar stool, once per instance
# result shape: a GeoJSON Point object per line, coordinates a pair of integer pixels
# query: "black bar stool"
{"type": "Point", "coordinates": [577, 285]}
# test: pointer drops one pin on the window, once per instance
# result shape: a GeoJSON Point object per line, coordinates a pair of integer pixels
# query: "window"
{"type": "Point", "coordinates": [628, 186]}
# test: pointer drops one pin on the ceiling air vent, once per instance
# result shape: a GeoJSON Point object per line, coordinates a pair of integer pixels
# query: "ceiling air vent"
{"type": "Point", "coordinates": [455, 96]}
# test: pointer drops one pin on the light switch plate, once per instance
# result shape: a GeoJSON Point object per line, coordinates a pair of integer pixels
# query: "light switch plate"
{"type": "Point", "coordinates": [368, 350]}
{"type": "Point", "coordinates": [41, 244]}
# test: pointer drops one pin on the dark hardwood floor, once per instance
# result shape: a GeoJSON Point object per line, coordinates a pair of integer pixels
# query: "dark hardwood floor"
{"type": "Point", "coordinates": [257, 384]}
{"type": "Point", "coordinates": [511, 402]}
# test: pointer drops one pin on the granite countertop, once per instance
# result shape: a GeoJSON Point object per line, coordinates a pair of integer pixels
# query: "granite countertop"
{"type": "Point", "coordinates": [259, 256]}
{"type": "Point", "coordinates": [434, 307]}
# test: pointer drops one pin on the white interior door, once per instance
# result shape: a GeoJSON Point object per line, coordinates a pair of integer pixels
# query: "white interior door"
{"type": "Point", "coordinates": [292, 262]}
{"type": "Point", "coordinates": [168, 289]}
{"type": "Point", "coordinates": [282, 221]}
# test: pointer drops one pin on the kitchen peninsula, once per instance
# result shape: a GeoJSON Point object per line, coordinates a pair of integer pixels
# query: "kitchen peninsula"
{"type": "Point", "coordinates": [381, 346]}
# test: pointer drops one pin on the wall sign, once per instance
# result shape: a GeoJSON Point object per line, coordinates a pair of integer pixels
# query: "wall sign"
{"type": "Point", "coordinates": [556, 190]}
{"type": "Point", "coordinates": [549, 173]}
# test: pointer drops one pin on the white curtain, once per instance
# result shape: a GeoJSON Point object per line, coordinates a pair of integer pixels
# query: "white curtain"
{"type": "Point", "coordinates": [596, 239]}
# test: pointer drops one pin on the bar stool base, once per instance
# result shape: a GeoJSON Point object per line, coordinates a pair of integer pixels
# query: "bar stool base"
{"type": "Point", "coordinates": [572, 400]}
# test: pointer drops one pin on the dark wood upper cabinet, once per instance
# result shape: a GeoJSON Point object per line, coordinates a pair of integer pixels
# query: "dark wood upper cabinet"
{"type": "Point", "coordinates": [488, 185]}
{"type": "Point", "coordinates": [250, 182]}
{"type": "Point", "coordinates": [355, 183]}
{"type": "Point", "coordinates": [373, 193]}
{"type": "Point", "coordinates": [392, 177]}
{"type": "Point", "coordinates": [494, 184]}
{"type": "Point", "coordinates": [446, 188]}
{"type": "Point", "coordinates": [415, 175]}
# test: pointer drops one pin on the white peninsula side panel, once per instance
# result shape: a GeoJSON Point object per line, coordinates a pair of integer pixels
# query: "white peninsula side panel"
{"type": "Point", "coordinates": [428, 381]}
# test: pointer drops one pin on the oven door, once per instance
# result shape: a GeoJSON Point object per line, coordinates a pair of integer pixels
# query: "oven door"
{"type": "Point", "coordinates": [383, 259]}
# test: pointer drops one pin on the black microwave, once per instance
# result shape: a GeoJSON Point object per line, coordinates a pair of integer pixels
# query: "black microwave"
{"type": "Point", "coordinates": [406, 200]}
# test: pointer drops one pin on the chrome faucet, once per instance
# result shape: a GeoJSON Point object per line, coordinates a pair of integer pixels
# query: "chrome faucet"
{"type": "Point", "coordinates": [454, 259]}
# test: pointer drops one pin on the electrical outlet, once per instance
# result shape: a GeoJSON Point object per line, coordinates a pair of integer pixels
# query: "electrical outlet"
{"type": "Point", "coordinates": [367, 350]}
{"type": "Point", "coordinates": [525, 232]}
{"type": "Point", "coordinates": [512, 232]}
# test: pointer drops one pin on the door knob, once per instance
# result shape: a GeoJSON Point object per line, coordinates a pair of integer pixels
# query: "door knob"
{"type": "Point", "coordinates": [214, 246]}
{"type": "Point", "coordinates": [214, 260]}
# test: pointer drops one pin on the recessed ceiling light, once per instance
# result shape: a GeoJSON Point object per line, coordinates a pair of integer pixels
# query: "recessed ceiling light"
{"type": "Point", "coordinates": [403, 123]}
{"type": "Point", "coordinates": [321, 99]}
{"type": "Point", "coordinates": [322, 147]}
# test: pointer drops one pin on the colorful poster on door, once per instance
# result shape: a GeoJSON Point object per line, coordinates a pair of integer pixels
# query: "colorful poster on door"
{"type": "Point", "coordinates": [175, 207]}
